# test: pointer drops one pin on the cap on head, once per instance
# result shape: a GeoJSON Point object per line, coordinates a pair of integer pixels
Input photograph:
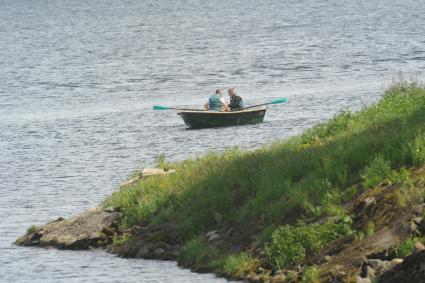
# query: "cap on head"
{"type": "Point", "coordinates": [218, 91]}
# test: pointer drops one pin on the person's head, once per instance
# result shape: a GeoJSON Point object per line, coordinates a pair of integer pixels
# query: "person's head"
{"type": "Point", "coordinates": [219, 91]}
{"type": "Point", "coordinates": [231, 91]}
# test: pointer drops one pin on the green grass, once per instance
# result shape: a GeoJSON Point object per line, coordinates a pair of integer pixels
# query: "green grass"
{"type": "Point", "coordinates": [309, 175]}
{"type": "Point", "coordinates": [418, 148]}
{"type": "Point", "coordinates": [407, 247]}
{"type": "Point", "coordinates": [311, 275]}
{"type": "Point", "coordinates": [236, 265]}
{"type": "Point", "coordinates": [378, 169]}
{"type": "Point", "coordinates": [31, 229]}
{"type": "Point", "coordinates": [198, 253]}
{"type": "Point", "coordinates": [290, 245]}
{"type": "Point", "coordinates": [370, 229]}
{"type": "Point", "coordinates": [118, 240]}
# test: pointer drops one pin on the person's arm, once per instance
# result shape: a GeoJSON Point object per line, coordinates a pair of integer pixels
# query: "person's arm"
{"type": "Point", "coordinates": [206, 106]}
{"type": "Point", "coordinates": [224, 104]}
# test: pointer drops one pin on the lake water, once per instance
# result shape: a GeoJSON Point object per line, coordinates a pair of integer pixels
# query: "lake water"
{"type": "Point", "coordinates": [78, 80]}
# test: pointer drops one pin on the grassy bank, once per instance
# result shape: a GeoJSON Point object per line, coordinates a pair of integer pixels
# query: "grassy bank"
{"type": "Point", "coordinates": [268, 201]}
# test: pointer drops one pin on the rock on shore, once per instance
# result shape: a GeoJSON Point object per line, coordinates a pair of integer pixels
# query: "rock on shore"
{"type": "Point", "coordinates": [412, 269]}
{"type": "Point", "coordinates": [93, 228]}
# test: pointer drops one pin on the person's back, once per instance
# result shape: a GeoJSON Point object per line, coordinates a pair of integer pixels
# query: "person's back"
{"type": "Point", "coordinates": [235, 100]}
{"type": "Point", "coordinates": [216, 102]}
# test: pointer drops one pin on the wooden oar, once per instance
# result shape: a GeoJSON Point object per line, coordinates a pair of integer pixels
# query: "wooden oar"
{"type": "Point", "coordinates": [276, 101]}
{"type": "Point", "coordinates": [159, 107]}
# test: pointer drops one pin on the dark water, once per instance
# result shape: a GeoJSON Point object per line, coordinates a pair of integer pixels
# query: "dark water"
{"type": "Point", "coordinates": [78, 80]}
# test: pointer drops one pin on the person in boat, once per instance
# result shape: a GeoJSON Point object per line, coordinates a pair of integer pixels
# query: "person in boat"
{"type": "Point", "coordinates": [216, 102]}
{"type": "Point", "coordinates": [235, 100]}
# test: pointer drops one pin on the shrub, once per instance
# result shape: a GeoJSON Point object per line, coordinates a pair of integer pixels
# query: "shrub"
{"type": "Point", "coordinates": [290, 244]}
{"type": "Point", "coordinates": [267, 233]}
{"type": "Point", "coordinates": [311, 275]}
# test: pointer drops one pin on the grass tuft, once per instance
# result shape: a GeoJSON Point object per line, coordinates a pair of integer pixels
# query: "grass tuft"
{"type": "Point", "coordinates": [236, 265]}
{"type": "Point", "coordinates": [407, 247]}
{"type": "Point", "coordinates": [290, 245]}
{"type": "Point", "coordinates": [31, 229]}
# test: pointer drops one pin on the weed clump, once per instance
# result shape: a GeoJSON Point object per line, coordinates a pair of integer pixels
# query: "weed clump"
{"type": "Point", "coordinates": [311, 275]}
{"type": "Point", "coordinates": [407, 247]}
{"type": "Point", "coordinates": [31, 229]}
{"type": "Point", "coordinates": [236, 265]}
{"type": "Point", "coordinates": [290, 245]}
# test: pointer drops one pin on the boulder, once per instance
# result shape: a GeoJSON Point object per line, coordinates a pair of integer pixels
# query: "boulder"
{"type": "Point", "coordinates": [146, 173]}
{"type": "Point", "coordinates": [93, 228]}
{"type": "Point", "coordinates": [419, 247]}
{"type": "Point", "coordinates": [362, 280]}
{"type": "Point", "coordinates": [212, 235]}
{"type": "Point", "coordinates": [412, 269]}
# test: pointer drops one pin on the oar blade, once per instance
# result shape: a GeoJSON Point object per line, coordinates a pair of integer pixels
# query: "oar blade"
{"type": "Point", "coordinates": [279, 100]}
{"type": "Point", "coordinates": [159, 107]}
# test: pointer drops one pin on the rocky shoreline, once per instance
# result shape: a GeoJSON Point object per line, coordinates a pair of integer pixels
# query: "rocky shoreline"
{"type": "Point", "coordinates": [95, 228]}
{"type": "Point", "coordinates": [365, 259]}
{"type": "Point", "coordinates": [92, 229]}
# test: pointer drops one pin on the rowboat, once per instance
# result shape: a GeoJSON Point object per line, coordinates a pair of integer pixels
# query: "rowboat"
{"type": "Point", "coordinates": [198, 119]}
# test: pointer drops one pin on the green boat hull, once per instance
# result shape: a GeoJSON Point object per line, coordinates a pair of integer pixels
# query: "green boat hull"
{"type": "Point", "coordinates": [210, 119]}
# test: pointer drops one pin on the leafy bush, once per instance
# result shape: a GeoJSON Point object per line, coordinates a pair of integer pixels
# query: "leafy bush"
{"type": "Point", "coordinates": [291, 244]}
{"type": "Point", "coordinates": [311, 275]}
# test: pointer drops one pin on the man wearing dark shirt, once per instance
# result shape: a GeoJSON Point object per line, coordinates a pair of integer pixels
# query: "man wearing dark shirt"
{"type": "Point", "coordinates": [235, 100]}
